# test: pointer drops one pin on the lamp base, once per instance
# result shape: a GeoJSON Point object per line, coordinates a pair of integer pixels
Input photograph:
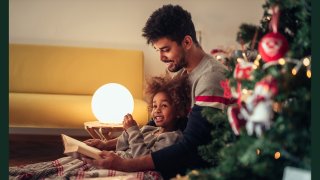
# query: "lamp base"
{"type": "Point", "coordinates": [103, 131]}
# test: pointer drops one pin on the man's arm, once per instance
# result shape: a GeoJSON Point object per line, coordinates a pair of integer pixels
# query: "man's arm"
{"type": "Point", "coordinates": [112, 161]}
{"type": "Point", "coordinates": [170, 160]}
{"type": "Point", "coordinates": [142, 163]}
{"type": "Point", "coordinates": [184, 155]}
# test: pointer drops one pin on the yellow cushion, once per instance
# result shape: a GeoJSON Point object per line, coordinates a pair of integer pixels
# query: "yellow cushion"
{"type": "Point", "coordinates": [52, 86]}
{"type": "Point", "coordinates": [73, 70]}
{"type": "Point", "coordinates": [59, 111]}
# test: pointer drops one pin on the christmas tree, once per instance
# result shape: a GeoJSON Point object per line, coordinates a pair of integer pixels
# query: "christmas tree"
{"type": "Point", "coordinates": [268, 129]}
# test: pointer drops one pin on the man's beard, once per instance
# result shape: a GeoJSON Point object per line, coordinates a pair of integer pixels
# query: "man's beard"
{"type": "Point", "coordinates": [180, 64]}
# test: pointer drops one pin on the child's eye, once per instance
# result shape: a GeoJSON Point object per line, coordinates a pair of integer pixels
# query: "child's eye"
{"type": "Point", "coordinates": [154, 106]}
{"type": "Point", "coordinates": [164, 105]}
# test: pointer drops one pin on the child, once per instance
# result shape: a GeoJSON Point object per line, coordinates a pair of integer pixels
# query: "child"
{"type": "Point", "coordinates": [169, 103]}
{"type": "Point", "coordinates": [169, 107]}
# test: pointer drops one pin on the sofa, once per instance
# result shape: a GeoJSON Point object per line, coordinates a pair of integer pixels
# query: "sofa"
{"type": "Point", "coordinates": [52, 86]}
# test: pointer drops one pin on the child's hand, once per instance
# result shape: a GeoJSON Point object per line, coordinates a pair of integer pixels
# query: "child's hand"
{"type": "Point", "coordinates": [96, 143]}
{"type": "Point", "coordinates": [128, 121]}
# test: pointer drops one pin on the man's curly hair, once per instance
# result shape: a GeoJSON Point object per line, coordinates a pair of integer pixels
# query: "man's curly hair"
{"type": "Point", "coordinates": [170, 21]}
{"type": "Point", "coordinates": [177, 89]}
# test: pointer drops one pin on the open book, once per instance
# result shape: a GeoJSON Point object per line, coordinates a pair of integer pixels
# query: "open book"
{"type": "Point", "coordinates": [73, 146]}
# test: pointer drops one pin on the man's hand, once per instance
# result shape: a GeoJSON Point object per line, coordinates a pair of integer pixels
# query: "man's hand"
{"type": "Point", "coordinates": [112, 161]}
{"type": "Point", "coordinates": [128, 121]}
{"type": "Point", "coordinates": [109, 161]}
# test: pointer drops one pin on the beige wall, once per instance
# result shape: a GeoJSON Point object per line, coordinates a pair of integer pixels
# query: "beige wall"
{"type": "Point", "coordinates": [118, 23]}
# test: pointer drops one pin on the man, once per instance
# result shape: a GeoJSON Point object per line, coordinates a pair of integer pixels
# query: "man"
{"type": "Point", "coordinates": [171, 31]}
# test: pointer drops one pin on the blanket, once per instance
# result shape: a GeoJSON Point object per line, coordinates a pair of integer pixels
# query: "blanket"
{"type": "Point", "coordinates": [71, 168]}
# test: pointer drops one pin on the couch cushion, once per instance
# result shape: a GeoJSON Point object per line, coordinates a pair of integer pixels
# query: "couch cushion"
{"type": "Point", "coordinates": [59, 111]}
{"type": "Point", "coordinates": [73, 70]}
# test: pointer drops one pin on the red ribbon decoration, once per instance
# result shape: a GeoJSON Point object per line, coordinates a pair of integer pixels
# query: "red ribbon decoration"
{"type": "Point", "coordinates": [239, 93]}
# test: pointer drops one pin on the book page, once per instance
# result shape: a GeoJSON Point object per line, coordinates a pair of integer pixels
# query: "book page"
{"type": "Point", "coordinates": [72, 146]}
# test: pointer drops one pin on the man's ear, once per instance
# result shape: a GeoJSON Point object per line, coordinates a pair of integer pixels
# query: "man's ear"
{"type": "Point", "coordinates": [187, 42]}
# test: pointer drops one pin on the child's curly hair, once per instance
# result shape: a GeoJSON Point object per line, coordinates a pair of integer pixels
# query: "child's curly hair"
{"type": "Point", "coordinates": [177, 89]}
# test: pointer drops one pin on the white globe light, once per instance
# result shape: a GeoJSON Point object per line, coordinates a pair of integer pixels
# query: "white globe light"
{"type": "Point", "coordinates": [111, 102]}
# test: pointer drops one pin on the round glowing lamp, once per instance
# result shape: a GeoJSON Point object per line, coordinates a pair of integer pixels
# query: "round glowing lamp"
{"type": "Point", "coordinates": [111, 102]}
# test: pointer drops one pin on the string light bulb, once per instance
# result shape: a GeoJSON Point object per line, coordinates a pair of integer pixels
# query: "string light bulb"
{"type": "Point", "coordinates": [294, 71]}
{"type": "Point", "coordinates": [276, 106]}
{"type": "Point", "coordinates": [277, 155]}
{"type": "Point", "coordinates": [256, 61]}
{"type": "Point", "coordinates": [258, 151]}
{"type": "Point", "coordinates": [306, 61]}
{"type": "Point", "coordinates": [296, 68]}
{"type": "Point", "coordinates": [245, 91]}
{"type": "Point", "coordinates": [282, 61]}
{"type": "Point", "coordinates": [309, 73]}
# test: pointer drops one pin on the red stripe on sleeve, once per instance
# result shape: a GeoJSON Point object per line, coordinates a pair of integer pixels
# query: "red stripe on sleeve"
{"type": "Point", "coordinates": [218, 99]}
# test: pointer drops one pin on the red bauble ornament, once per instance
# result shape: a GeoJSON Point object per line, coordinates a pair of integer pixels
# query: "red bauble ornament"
{"type": "Point", "coordinates": [273, 46]}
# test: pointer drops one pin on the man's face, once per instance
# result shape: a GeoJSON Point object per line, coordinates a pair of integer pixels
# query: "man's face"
{"type": "Point", "coordinates": [171, 53]}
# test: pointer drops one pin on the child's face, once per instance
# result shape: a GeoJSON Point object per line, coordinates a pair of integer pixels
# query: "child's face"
{"type": "Point", "coordinates": [163, 111]}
